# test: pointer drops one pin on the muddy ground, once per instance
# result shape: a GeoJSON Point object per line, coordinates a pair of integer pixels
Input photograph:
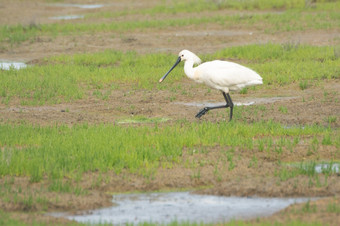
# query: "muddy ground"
{"type": "Point", "coordinates": [314, 105]}
{"type": "Point", "coordinates": [204, 39]}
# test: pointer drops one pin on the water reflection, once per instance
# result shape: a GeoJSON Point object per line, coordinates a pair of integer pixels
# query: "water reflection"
{"type": "Point", "coordinates": [7, 65]}
{"type": "Point", "coordinates": [183, 206]}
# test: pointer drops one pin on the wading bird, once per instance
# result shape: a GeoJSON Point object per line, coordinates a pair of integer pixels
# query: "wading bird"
{"type": "Point", "coordinates": [217, 74]}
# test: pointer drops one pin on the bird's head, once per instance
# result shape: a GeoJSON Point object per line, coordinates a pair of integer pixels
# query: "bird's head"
{"type": "Point", "coordinates": [187, 55]}
{"type": "Point", "coordinates": [184, 55]}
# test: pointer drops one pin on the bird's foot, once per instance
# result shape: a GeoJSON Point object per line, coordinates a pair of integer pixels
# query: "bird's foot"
{"type": "Point", "coordinates": [202, 112]}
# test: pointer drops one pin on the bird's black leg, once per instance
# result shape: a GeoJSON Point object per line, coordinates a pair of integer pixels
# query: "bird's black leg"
{"type": "Point", "coordinates": [228, 104]}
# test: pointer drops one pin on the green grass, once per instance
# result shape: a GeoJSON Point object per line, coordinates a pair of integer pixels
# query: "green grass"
{"type": "Point", "coordinates": [308, 169]}
{"type": "Point", "coordinates": [57, 151]}
{"type": "Point", "coordinates": [325, 15]}
{"type": "Point", "coordinates": [331, 119]}
{"type": "Point", "coordinates": [280, 65]}
{"type": "Point", "coordinates": [65, 78]}
{"type": "Point", "coordinates": [303, 85]}
{"type": "Point", "coordinates": [5, 219]}
{"type": "Point", "coordinates": [10, 220]}
{"type": "Point", "coordinates": [202, 5]}
{"type": "Point", "coordinates": [333, 207]}
{"type": "Point", "coordinates": [283, 109]}
{"type": "Point", "coordinates": [61, 154]}
{"type": "Point", "coordinates": [190, 6]}
{"type": "Point", "coordinates": [289, 21]}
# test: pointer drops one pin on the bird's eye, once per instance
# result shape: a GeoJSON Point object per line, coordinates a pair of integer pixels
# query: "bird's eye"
{"type": "Point", "coordinates": [182, 55]}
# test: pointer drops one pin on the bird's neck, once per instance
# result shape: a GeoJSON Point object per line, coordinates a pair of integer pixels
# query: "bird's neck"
{"type": "Point", "coordinates": [189, 68]}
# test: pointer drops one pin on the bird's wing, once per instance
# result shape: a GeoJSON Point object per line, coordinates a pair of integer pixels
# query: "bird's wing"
{"type": "Point", "coordinates": [227, 74]}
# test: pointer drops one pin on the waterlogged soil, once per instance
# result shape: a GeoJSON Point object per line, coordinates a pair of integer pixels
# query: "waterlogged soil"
{"type": "Point", "coordinates": [206, 38]}
{"type": "Point", "coordinates": [183, 206]}
{"type": "Point", "coordinates": [205, 170]}
{"type": "Point", "coordinates": [289, 105]}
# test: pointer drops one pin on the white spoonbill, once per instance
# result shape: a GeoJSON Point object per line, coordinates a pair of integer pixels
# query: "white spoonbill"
{"type": "Point", "coordinates": [217, 74]}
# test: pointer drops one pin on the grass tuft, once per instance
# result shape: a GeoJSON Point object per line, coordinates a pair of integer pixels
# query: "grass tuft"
{"type": "Point", "coordinates": [66, 78]}
{"type": "Point", "coordinates": [56, 151]}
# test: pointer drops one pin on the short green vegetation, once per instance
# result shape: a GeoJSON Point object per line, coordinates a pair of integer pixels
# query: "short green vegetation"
{"type": "Point", "coordinates": [57, 151]}
{"type": "Point", "coordinates": [58, 156]}
{"type": "Point", "coordinates": [68, 77]}
{"type": "Point", "coordinates": [5, 219]}
{"type": "Point", "coordinates": [296, 15]}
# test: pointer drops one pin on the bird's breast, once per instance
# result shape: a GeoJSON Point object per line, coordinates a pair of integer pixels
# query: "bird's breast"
{"type": "Point", "coordinates": [196, 77]}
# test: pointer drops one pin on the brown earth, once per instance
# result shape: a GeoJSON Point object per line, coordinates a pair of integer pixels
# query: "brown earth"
{"type": "Point", "coordinates": [199, 39]}
{"type": "Point", "coordinates": [206, 171]}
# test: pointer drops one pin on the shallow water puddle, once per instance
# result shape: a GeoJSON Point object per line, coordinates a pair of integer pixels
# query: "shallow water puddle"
{"type": "Point", "coordinates": [82, 6]}
{"type": "Point", "coordinates": [142, 120]}
{"type": "Point", "coordinates": [182, 206]}
{"type": "Point", "coordinates": [209, 104]}
{"type": "Point", "coordinates": [69, 17]}
{"type": "Point", "coordinates": [7, 65]}
{"type": "Point", "coordinates": [214, 33]}
{"type": "Point", "coordinates": [319, 168]}
{"type": "Point", "coordinates": [324, 167]}
{"type": "Point", "coordinates": [264, 100]}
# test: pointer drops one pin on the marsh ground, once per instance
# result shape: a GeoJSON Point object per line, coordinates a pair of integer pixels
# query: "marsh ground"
{"type": "Point", "coordinates": [255, 171]}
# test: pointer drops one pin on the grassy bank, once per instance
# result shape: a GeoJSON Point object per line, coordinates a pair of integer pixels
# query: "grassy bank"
{"type": "Point", "coordinates": [296, 15]}
{"type": "Point", "coordinates": [58, 151]}
{"type": "Point", "coordinates": [124, 131]}
{"type": "Point", "coordinates": [70, 77]}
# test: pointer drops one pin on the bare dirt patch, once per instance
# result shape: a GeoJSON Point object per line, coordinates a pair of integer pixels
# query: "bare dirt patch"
{"type": "Point", "coordinates": [322, 210]}
{"type": "Point", "coordinates": [310, 106]}
{"type": "Point", "coordinates": [208, 171]}
{"type": "Point", "coordinates": [199, 39]}
{"type": "Point", "coordinates": [210, 39]}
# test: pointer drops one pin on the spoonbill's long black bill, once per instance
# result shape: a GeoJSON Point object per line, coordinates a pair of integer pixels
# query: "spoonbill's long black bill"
{"type": "Point", "coordinates": [177, 62]}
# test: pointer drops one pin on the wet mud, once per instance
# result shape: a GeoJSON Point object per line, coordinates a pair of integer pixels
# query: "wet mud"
{"type": "Point", "coordinates": [164, 208]}
{"type": "Point", "coordinates": [303, 107]}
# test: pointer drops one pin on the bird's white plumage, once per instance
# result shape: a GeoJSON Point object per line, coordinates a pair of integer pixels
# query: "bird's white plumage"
{"type": "Point", "coordinates": [220, 75]}
{"type": "Point", "coordinates": [217, 74]}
